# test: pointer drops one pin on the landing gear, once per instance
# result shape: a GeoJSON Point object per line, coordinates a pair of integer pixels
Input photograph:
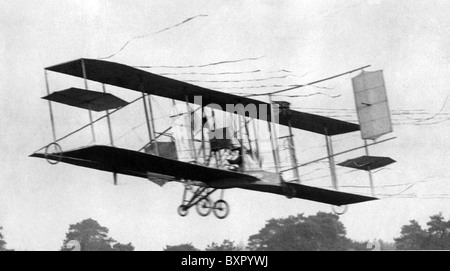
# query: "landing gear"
{"type": "Point", "coordinates": [53, 153]}
{"type": "Point", "coordinates": [204, 207]}
{"type": "Point", "coordinates": [183, 211]}
{"type": "Point", "coordinates": [339, 210]}
{"type": "Point", "coordinates": [203, 204]}
{"type": "Point", "coordinates": [221, 209]}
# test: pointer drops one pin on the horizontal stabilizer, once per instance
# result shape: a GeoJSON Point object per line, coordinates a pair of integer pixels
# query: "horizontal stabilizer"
{"type": "Point", "coordinates": [367, 162]}
{"type": "Point", "coordinates": [86, 99]}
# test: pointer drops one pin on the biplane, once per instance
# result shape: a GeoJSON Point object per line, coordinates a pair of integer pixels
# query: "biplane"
{"type": "Point", "coordinates": [218, 159]}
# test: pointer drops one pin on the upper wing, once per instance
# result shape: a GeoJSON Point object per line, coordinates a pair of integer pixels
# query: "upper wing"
{"type": "Point", "coordinates": [138, 164]}
{"type": "Point", "coordinates": [135, 79]}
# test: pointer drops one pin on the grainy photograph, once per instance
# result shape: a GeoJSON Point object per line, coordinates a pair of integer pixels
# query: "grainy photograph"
{"type": "Point", "coordinates": [211, 125]}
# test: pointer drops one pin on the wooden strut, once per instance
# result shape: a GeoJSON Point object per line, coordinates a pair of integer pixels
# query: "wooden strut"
{"type": "Point", "coordinates": [52, 118]}
{"type": "Point", "coordinates": [192, 130]}
{"type": "Point", "coordinates": [241, 134]}
{"type": "Point", "coordinates": [91, 119]}
{"type": "Point", "coordinates": [273, 142]}
{"type": "Point", "coordinates": [203, 135]}
{"type": "Point", "coordinates": [111, 137]}
{"type": "Point", "coordinates": [152, 123]}
{"type": "Point", "coordinates": [331, 161]}
{"type": "Point", "coordinates": [293, 152]}
{"type": "Point", "coordinates": [217, 155]}
{"type": "Point", "coordinates": [108, 118]}
{"type": "Point", "coordinates": [83, 67]}
{"type": "Point", "coordinates": [372, 187]}
{"type": "Point", "coordinates": [256, 142]}
{"type": "Point", "coordinates": [147, 118]}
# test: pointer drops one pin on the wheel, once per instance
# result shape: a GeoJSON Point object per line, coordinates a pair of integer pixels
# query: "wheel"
{"type": "Point", "coordinates": [53, 149]}
{"type": "Point", "coordinates": [339, 210]}
{"type": "Point", "coordinates": [204, 207]}
{"type": "Point", "coordinates": [183, 211]}
{"type": "Point", "coordinates": [221, 209]}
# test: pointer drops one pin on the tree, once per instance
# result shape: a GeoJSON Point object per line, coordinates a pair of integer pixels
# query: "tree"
{"type": "Point", "coordinates": [183, 247]}
{"type": "Point", "coordinates": [438, 233]}
{"type": "Point", "coordinates": [2, 241]}
{"type": "Point", "coordinates": [435, 237]}
{"type": "Point", "coordinates": [93, 237]}
{"type": "Point", "coordinates": [226, 245]}
{"type": "Point", "coordinates": [413, 237]}
{"type": "Point", "coordinates": [322, 231]}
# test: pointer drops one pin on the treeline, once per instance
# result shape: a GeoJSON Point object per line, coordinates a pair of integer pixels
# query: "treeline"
{"type": "Point", "coordinates": [87, 235]}
{"type": "Point", "coordinates": [320, 232]}
{"type": "Point", "coordinates": [324, 232]}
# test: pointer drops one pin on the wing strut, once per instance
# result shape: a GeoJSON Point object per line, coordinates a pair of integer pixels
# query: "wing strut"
{"type": "Point", "coordinates": [108, 118]}
{"type": "Point", "coordinates": [369, 171]}
{"type": "Point", "coordinates": [286, 113]}
{"type": "Point", "coordinates": [191, 116]}
{"type": "Point", "coordinates": [91, 119]}
{"type": "Point", "coordinates": [329, 143]}
{"type": "Point", "coordinates": [52, 117]}
{"type": "Point", "coordinates": [273, 141]}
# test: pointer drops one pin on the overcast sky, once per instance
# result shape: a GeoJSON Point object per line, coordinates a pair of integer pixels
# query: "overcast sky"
{"type": "Point", "coordinates": [408, 40]}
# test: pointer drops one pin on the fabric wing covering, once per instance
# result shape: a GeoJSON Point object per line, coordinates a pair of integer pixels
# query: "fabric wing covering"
{"type": "Point", "coordinates": [139, 164]}
{"type": "Point", "coordinates": [367, 162]}
{"type": "Point", "coordinates": [372, 104]}
{"type": "Point", "coordinates": [86, 99]}
{"type": "Point", "coordinates": [138, 80]}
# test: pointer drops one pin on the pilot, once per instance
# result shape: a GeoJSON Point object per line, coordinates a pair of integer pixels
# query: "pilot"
{"type": "Point", "coordinates": [236, 159]}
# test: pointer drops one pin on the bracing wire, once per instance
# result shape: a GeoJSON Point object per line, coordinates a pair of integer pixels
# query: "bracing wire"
{"type": "Point", "coordinates": [203, 65]}
{"type": "Point", "coordinates": [154, 33]}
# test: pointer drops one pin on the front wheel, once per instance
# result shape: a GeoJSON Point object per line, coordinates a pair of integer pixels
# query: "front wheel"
{"type": "Point", "coordinates": [183, 211]}
{"type": "Point", "coordinates": [221, 209]}
{"type": "Point", "coordinates": [204, 207]}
